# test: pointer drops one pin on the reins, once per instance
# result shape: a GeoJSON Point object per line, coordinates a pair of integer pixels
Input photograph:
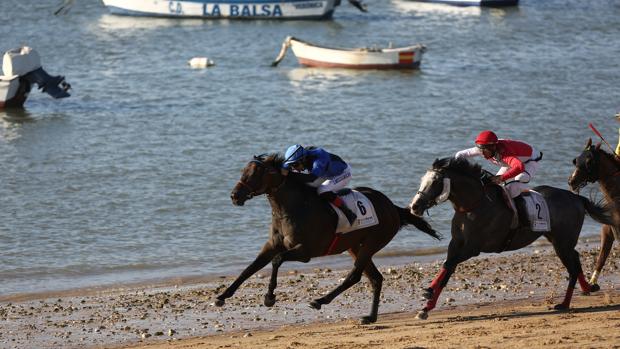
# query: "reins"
{"type": "Point", "coordinates": [253, 192]}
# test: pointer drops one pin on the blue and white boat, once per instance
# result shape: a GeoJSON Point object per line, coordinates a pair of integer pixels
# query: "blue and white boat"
{"type": "Point", "coordinates": [488, 3]}
{"type": "Point", "coordinates": [237, 9]}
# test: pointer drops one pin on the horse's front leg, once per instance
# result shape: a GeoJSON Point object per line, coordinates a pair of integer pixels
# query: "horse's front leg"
{"type": "Point", "coordinates": [607, 240]}
{"type": "Point", "coordinates": [266, 254]}
{"type": "Point", "coordinates": [297, 253]}
{"type": "Point", "coordinates": [457, 253]}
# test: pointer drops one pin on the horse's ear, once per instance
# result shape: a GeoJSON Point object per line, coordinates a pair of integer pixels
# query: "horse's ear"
{"type": "Point", "coordinates": [598, 146]}
{"type": "Point", "coordinates": [589, 143]}
{"type": "Point", "coordinates": [256, 157]}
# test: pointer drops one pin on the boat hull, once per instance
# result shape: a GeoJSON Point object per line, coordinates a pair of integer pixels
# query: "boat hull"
{"type": "Point", "coordinates": [398, 58]}
{"type": "Point", "coordinates": [13, 92]}
{"type": "Point", "coordinates": [485, 3]}
{"type": "Point", "coordinates": [232, 9]}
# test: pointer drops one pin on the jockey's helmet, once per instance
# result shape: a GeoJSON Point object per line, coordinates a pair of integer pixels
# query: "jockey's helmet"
{"type": "Point", "coordinates": [486, 138]}
{"type": "Point", "coordinates": [294, 153]}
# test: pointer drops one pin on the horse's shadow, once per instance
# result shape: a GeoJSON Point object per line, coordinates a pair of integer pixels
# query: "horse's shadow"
{"type": "Point", "coordinates": [525, 314]}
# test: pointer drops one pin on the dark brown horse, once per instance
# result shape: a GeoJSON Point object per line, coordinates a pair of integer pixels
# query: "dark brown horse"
{"type": "Point", "coordinates": [596, 165]}
{"type": "Point", "coordinates": [482, 220]}
{"type": "Point", "coordinates": [303, 227]}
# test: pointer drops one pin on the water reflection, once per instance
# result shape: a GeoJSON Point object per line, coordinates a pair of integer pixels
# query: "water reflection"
{"type": "Point", "coordinates": [320, 79]}
{"type": "Point", "coordinates": [12, 120]}
{"type": "Point", "coordinates": [115, 22]}
{"type": "Point", "coordinates": [16, 115]}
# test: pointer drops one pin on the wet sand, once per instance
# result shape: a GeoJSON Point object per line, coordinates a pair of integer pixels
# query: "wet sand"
{"type": "Point", "coordinates": [492, 301]}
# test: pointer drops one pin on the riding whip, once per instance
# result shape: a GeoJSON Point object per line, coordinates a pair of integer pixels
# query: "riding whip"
{"type": "Point", "coordinates": [603, 139]}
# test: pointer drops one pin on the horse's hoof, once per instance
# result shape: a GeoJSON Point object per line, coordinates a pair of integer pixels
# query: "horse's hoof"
{"type": "Point", "coordinates": [219, 302]}
{"type": "Point", "coordinates": [368, 320]}
{"type": "Point", "coordinates": [428, 294]}
{"type": "Point", "coordinates": [422, 315]}
{"type": "Point", "coordinates": [269, 301]}
{"type": "Point", "coordinates": [315, 305]}
{"type": "Point", "coordinates": [595, 288]}
{"type": "Point", "coordinates": [561, 306]}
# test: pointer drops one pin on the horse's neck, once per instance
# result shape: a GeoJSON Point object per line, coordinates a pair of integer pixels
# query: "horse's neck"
{"type": "Point", "coordinates": [287, 198]}
{"type": "Point", "coordinates": [467, 193]}
{"type": "Point", "coordinates": [609, 179]}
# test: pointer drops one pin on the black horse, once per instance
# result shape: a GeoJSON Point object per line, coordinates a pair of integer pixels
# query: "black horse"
{"type": "Point", "coordinates": [303, 226]}
{"type": "Point", "coordinates": [596, 165]}
{"type": "Point", "coordinates": [482, 221]}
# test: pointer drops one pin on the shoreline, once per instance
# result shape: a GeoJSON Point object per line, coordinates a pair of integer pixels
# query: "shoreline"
{"type": "Point", "coordinates": [144, 315]}
{"type": "Point", "coordinates": [520, 323]}
{"type": "Point", "coordinates": [340, 262]}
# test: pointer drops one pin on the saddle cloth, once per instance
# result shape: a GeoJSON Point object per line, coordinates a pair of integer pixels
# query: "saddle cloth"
{"type": "Point", "coordinates": [537, 211]}
{"type": "Point", "coordinates": [362, 207]}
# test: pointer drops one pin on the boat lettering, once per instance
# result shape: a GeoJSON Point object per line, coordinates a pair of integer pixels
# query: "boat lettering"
{"type": "Point", "coordinates": [175, 7]}
{"type": "Point", "coordinates": [215, 10]}
{"type": "Point", "coordinates": [305, 5]}
{"type": "Point", "coordinates": [255, 10]}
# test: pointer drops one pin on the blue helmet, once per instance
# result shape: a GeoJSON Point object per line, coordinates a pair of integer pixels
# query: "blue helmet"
{"type": "Point", "coordinates": [293, 154]}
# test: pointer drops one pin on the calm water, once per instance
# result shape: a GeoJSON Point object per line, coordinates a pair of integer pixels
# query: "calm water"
{"type": "Point", "coordinates": [129, 179]}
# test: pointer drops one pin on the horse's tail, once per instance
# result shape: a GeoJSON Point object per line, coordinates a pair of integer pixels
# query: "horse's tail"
{"type": "Point", "coordinates": [407, 218]}
{"type": "Point", "coordinates": [599, 212]}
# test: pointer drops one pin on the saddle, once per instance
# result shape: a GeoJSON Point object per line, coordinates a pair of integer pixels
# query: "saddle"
{"type": "Point", "coordinates": [529, 208]}
{"type": "Point", "coordinates": [361, 206]}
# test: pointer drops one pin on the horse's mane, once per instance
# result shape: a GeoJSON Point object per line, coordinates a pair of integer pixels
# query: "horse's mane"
{"type": "Point", "coordinates": [274, 159]}
{"type": "Point", "coordinates": [277, 160]}
{"type": "Point", "coordinates": [460, 165]}
{"type": "Point", "coordinates": [597, 148]}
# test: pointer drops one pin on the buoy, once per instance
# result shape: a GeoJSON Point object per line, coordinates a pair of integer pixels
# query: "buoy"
{"type": "Point", "coordinates": [200, 62]}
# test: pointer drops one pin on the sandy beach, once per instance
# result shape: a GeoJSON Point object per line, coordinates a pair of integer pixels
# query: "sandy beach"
{"type": "Point", "coordinates": [492, 301]}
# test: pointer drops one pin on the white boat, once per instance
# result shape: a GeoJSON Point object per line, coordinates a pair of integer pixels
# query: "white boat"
{"type": "Point", "coordinates": [21, 68]}
{"type": "Point", "coordinates": [355, 58]}
{"type": "Point", "coordinates": [486, 3]}
{"type": "Point", "coordinates": [239, 9]}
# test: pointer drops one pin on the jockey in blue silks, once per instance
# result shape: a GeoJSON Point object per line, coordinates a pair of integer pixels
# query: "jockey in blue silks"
{"type": "Point", "coordinates": [322, 170]}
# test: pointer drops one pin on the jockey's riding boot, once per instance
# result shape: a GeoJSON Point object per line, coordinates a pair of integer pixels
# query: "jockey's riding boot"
{"type": "Point", "coordinates": [351, 216]}
{"type": "Point", "coordinates": [521, 210]}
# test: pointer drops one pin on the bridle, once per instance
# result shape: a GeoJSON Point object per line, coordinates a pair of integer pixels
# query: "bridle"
{"type": "Point", "coordinates": [592, 175]}
{"type": "Point", "coordinates": [255, 192]}
{"type": "Point", "coordinates": [443, 196]}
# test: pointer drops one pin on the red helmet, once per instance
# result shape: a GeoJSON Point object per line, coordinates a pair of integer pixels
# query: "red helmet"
{"type": "Point", "coordinates": [486, 137]}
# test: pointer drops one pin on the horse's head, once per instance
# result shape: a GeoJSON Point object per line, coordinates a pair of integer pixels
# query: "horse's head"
{"type": "Point", "coordinates": [450, 178]}
{"type": "Point", "coordinates": [434, 189]}
{"type": "Point", "coordinates": [586, 167]}
{"type": "Point", "coordinates": [261, 175]}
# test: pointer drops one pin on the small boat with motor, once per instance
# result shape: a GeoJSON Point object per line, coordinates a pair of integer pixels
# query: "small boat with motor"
{"type": "Point", "coordinates": [312, 55]}
{"type": "Point", "coordinates": [21, 68]}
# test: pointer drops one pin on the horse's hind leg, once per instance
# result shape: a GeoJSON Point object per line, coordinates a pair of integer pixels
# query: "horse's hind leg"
{"type": "Point", "coordinates": [376, 281]}
{"type": "Point", "coordinates": [266, 255]}
{"type": "Point", "coordinates": [354, 276]}
{"type": "Point", "coordinates": [570, 259]}
{"type": "Point", "coordinates": [607, 240]}
{"type": "Point", "coordinates": [296, 253]}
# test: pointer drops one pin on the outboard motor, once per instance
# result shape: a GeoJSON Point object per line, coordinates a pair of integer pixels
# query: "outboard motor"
{"type": "Point", "coordinates": [22, 68]}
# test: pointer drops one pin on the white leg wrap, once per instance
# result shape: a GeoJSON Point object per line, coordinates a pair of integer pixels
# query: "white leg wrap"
{"type": "Point", "coordinates": [594, 278]}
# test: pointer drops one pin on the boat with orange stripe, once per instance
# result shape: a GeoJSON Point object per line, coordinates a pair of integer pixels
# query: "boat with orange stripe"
{"type": "Point", "coordinates": [312, 55]}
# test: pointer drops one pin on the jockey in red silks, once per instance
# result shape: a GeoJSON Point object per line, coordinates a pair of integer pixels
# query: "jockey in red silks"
{"type": "Point", "coordinates": [518, 160]}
